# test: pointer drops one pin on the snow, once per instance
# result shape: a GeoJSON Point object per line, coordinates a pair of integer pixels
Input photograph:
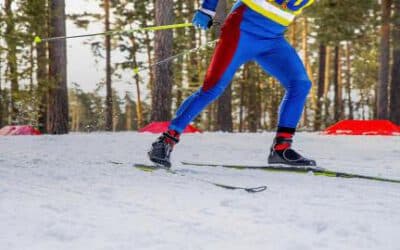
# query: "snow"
{"type": "Point", "coordinates": [61, 192]}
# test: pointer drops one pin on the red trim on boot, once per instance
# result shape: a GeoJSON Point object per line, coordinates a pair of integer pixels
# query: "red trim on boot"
{"type": "Point", "coordinates": [173, 134]}
{"type": "Point", "coordinates": [284, 135]}
{"type": "Point", "coordinates": [285, 145]}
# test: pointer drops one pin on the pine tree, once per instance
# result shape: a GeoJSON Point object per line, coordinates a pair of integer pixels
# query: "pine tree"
{"type": "Point", "coordinates": [382, 102]}
{"type": "Point", "coordinates": [11, 39]}
{"type": "Point", "coordinates": [109, 99]}
{"type": "Point", "coordinates": [37, 24]}
{"type": "Point", "coordinates": [224, 113]}
{"type": "Point", "coordinates": [320, 87]}
{"type": "Point", "coordinates": [395, 82]}
{"type": "Point", "coordinates": [58, 94]}
{"type": "Point", "coordinates": [1, 93]}
{"type": "Point", "coordinates": [161, 92]}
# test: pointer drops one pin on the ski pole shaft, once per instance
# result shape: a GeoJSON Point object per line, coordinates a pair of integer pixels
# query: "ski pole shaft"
{"type": "Point", "coordinates": [137, 70]}
{"type": "Point", "coordinates": [38, 39]}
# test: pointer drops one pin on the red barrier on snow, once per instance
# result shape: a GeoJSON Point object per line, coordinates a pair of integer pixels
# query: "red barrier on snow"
{"type": "Point", "coordinates": [19, 130]}
{"type": "Point", "coordinates": [359, 127]}
{"type": "Point", "coordinates": [160, 127]}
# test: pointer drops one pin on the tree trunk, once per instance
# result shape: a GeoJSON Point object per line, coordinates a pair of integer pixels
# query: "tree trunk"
{"type": "Point", "coordinates": [241, 104]}
{"type": "Point", "coordinates": [338, 97]}
{"type": "Point", "coordinates": [252, 98]}
{"type": "Point", "coordinates": [109, 99]}
{"type": "Point", "coordinates": [348, 82]}
{"type": "Point", "coordinates": [43, 81]}
{"type": "Point", "coordinates": [58, 93]}
{"type": "Point", "coordinates": [306, 65]}
{"type": "Point", "coordinates": [180, 66]}
{"type": "Point", "coordinates": [395, 83]}
{"type": "Point", "coordinates": [139, 109]}
{"type": "Point", "coordinates": [224, 113]}
{"type": "Point", "coordinates": [194, 66]}
{"type": "Point", "coordinates": [128, 113]}
{"type": "Point", "coordinates": [117, 113]}
{"type": "Point", "coordinates": [321, 85]}
{"type": "Point", "coordinates": [259, 98]}
{"type": "Point", "coordinates": [293, 34]}
{"type": "Point", "coordinates": [162, 91]}
{"type": "Point", "coordinates": [40, 27]}
{"type": "Point", "coordinates": [1, 96]}
{"type": "Point", "coordinates": [384, 62]}
{"type": "Point", "coordinates": [11, 58]}
{"type": "Point", "coordinates": [276, 97]}
{"type": "Point", "coordinates": [327, 86]}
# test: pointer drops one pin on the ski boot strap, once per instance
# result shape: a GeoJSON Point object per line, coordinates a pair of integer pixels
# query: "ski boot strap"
{"type": "Point", "coordinates": [174, 139]}
{"type": "Point", "coordinates": [282, 140]}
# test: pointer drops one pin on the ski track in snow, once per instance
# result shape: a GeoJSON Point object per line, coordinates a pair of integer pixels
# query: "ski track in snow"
{"type": "Point", "coordinates": [62, 193]}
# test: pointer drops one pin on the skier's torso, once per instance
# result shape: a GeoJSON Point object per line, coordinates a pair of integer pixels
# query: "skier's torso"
{"type": "Point", "coordinates": [270, 17]}
{"type": "Point", "coordinates": [280, 11]}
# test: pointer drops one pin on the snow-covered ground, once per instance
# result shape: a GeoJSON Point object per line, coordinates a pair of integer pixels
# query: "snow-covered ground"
{"type": "Point", "coordinates": [62, 193]}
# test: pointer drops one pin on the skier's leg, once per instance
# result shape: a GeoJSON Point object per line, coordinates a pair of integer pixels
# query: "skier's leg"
{"type": "Point", "coordinates": [284, 63]}
{"type": "Point", "coordinates": [230, 54]}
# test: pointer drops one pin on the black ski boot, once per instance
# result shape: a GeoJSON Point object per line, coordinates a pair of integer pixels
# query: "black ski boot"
{"type": "Point", "coordinates": [287, 156]}
{"type": "Point", "coordinates": [161, 149]}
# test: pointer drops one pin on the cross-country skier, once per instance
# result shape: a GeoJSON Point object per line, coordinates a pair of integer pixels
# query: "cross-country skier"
{"type": "Point", "coordinates": [253, 31]}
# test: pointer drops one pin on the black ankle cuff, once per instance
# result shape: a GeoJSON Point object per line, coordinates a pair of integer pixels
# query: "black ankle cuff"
{"type": "Point", "coordinates": [286, 130]}
{"type": "Point", "coordinates": [280, 140]}
{"type": "Point", "coordinates": [171, 137]}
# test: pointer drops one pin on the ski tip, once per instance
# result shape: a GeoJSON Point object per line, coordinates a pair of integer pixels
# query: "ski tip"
{"type": "Point", "coordinates": [116, 162]}
{"type": "Point", "coordinates": [145, 167]}
{"type": "Point", "coordinates": [256, 189]}
{"type": "Point", "coordinates": [149, 167]}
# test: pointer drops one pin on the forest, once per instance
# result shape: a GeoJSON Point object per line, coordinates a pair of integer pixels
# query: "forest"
{"type": "Point", "coordinates": [351, 50]}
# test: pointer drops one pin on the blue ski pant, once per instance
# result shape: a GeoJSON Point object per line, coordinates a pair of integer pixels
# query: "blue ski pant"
{"type": "Point", "coordinates": [237, 46]}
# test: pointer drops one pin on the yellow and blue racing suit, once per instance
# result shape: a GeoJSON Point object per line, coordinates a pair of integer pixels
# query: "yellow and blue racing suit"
{"type": "Point", "coordinates": [254, 31]}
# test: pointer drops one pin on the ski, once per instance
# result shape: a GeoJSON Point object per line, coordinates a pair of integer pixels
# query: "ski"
{"type": "Point", "coordinates": [278, 168]}
{"type": "Point", "coordinates": [317, 171]}
{"type": "Point", "coordinates": [154, 168]}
